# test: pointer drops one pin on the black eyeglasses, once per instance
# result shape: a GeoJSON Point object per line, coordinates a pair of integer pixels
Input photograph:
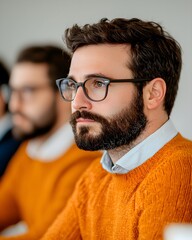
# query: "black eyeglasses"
{"type": "Point", "coordinates": [94, 88]}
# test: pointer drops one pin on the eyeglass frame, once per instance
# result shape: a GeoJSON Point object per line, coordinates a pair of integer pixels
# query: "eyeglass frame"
{"type": "Point", "coordinates": [26, 90]}
{"type": "Point", "coordinates": [108, 80]}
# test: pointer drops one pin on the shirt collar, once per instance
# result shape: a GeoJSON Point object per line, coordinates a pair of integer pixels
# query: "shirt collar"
{"type": "Point", "coordinates": [56, 145]}
{"type": "Point", "coordinates": [141, 152]}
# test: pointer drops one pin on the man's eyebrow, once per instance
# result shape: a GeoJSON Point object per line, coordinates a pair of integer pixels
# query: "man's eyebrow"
{"type": "Point", "coordinates": [70, 76]}
{"type": "Point", "coordinates": [89, 76]}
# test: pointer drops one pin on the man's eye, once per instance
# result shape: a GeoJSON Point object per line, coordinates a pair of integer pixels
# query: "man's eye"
{"type": "Point", "coordinates": [27, 90]}
{"type": "Point", "coordinates": [98, 83]}
{"type": "Point", "coordinates": [71, 85]}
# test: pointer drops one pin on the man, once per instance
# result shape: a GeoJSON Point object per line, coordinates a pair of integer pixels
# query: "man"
{"type": "Point", "coordinates": [122, 82]}
{"type": "Point", "coordinates": [8, 145]}
{"type": "Point", "coordinates": [42, 174]}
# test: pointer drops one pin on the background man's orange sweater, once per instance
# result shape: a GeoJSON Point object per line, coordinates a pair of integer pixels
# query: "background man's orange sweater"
{"type": "Point", "coordinates": [36, 191]}
{"type": "Point", "coordinates": [133, 206]}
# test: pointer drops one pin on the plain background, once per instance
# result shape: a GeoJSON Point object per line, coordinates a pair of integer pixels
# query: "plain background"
{"type": "Point", "coordinates": [24, 22]}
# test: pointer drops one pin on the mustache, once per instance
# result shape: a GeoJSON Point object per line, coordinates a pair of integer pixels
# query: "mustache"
{"type": "Point", "coordinates": [87, 115]}
{"type": "Point", "coordinates": [19, 114]}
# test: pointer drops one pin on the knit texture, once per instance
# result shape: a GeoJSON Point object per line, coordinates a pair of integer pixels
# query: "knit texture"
{"type": "Point", "coordinates": [36, 191]}
{"type": "Point", "coordinates": [133, 206]}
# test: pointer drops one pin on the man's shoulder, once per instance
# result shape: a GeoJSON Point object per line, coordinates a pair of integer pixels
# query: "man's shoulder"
{"type": "Point", "coordinates": [172, 163]}
{"type": "Point", "coordinates": [180, 146]}
{"type": "Point", "coordinates": [176, 148]}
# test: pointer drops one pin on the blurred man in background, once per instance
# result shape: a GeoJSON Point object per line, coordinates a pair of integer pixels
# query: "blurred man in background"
{"type": "Point", "coordinates": [43, 172]}
{"type": "Point", "coordinates": [8, 145]}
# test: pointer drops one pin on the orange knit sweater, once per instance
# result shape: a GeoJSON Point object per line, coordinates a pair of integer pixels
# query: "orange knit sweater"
{"type": "Point", "coordinates": [133, 206]}
{"type": "Point", "coordinates": [36, 191]}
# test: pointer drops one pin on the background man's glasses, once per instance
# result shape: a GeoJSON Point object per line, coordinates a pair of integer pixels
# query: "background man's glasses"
{"type": "Point", "coordinates": [27, 93]}
{"type": "Point", "coordinates": [94, 88]}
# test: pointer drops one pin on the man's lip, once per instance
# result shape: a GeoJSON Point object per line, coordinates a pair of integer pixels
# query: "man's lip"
{"type": "Point", "coordinates": [17, 118]}
{"type": "Point", "coordinates": [82, 120]}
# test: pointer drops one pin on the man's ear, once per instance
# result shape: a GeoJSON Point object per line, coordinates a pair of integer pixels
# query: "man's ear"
{"type": "Point", "coordinates": [155, 92]}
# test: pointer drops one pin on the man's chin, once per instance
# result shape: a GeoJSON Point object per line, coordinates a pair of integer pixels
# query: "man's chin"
{"type": "Point", "coordinates": [87, 146]}
{"type": "Point", "coordinates": [24, 134]}
{"type": "Point", "coordinates": [88, 141]}
{"type": "Point", "coordinates": [88, 131]}
{"type": "Point", "coordinates": [20, 135]}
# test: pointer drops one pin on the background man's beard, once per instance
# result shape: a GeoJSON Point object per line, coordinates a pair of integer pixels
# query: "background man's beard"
{"type": "Point", "coordinates": [37, 130]}
{"type": "Point", "coordinates": [122, 129]}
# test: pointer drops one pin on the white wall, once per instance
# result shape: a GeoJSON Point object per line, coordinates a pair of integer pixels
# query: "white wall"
{"type": "Point", "coordinates": [23, 22]}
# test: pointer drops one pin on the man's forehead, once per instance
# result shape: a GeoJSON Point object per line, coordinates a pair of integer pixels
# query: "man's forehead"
{"type": "Point", "coordinates": [104, 59]}
{"type": "Point", "coordinates": [29, 73]}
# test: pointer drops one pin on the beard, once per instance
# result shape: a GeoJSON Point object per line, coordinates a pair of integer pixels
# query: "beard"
{"type": "Point", "coordinates": [119, 130]}
{"type": "Point", "coordinates": [38, 128]}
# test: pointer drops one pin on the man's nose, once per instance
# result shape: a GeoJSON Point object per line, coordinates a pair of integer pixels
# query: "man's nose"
{"type": "Point", "coordinates": [81, 101]}
{"type": "Point", "coordinates": [14, 102]}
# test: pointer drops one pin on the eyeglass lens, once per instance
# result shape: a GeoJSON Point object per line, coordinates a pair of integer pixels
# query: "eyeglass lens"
{"type": "Point", "coordinates": [94, 88]}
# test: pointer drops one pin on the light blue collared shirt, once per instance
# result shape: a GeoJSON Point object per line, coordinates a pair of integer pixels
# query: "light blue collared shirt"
{"type": "Point", "coordinates": [141, 152]}
{"type": "Point", "coordinates": [53, 147]}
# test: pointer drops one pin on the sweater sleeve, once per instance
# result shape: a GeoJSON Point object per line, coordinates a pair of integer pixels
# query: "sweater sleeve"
{"type": "Point", "coordinates": [59, 192]}
{"type": "Point", "coordinates": [9, 208]}
{"type": "Point", "coordinates": [65, 227]}
{"type": "Point", "coordinates": [165, 198]}
{"type": "Point", "coordinates": [9, 212]}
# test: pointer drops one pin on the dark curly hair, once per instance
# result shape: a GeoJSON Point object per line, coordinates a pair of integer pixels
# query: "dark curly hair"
{"type": "Point", "coordinates": [155, 53]}
{"type": "Point", "coordinates": [57, 59]}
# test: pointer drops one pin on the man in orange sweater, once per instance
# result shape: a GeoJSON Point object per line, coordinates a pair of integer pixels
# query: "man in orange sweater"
{"type": "Point", "coordinates": [42, 174]}
{"type": "Point", "coordinates": [122, 82]}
